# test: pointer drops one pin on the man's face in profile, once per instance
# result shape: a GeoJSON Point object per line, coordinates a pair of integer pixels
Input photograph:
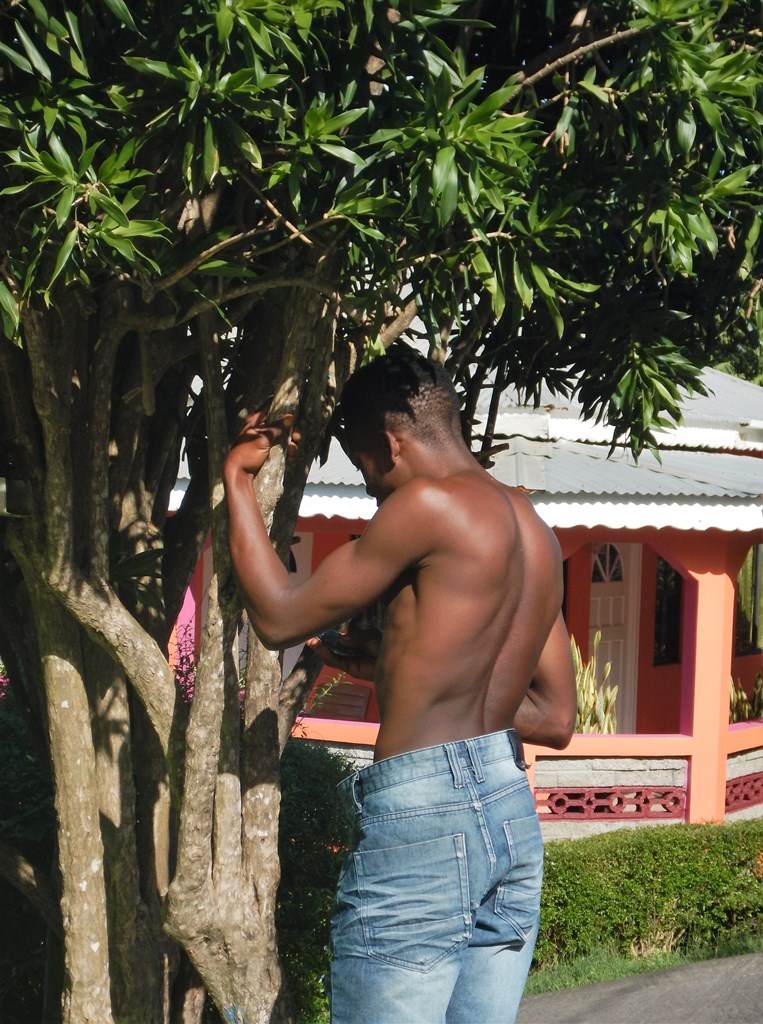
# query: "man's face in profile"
{"type": "Point", "coordinates": [370, 454]}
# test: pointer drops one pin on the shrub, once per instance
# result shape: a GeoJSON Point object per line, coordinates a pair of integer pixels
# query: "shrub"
{"type": "Point", "coordinates": [312, 846]}
{"type": "Point", "coordinates": [650, 889]}
{"type": "Point", "coordinates": [27, 824]}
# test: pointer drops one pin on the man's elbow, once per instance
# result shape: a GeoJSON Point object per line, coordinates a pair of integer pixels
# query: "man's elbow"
{"type": "Point", "coordinates": [272, 635]}
{"type": "Point", "coordinates": [560, 731]}
{"type": "Point", "coordinates": [559, 739]}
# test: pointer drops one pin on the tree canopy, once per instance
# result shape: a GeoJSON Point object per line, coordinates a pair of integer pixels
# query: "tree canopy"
{"type": "Point", "coordinates": [208, 204]}
{"type": "Point", "coordinates": [574, 187]}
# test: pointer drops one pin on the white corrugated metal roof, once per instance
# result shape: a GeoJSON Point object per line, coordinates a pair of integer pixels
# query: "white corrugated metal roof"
{"type": "Point", "coordinates": [575, 484]}
{"type": "Point", "coordinates": [729, 417]}
{"type": "Point", "coordinates": [710, 477]}
{"type": "Point", "coordinates": [562, 460]}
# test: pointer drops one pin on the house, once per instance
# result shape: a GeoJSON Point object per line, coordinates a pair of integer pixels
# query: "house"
{"type": "Point", "coordinates": [653, 553]}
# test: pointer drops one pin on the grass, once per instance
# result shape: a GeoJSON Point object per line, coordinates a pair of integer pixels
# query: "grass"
{"type": "Point", "coordinates": [608, 964]}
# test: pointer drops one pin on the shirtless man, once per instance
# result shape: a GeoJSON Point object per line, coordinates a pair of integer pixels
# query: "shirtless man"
{"type": "Point", "coordinates": [438, 903]}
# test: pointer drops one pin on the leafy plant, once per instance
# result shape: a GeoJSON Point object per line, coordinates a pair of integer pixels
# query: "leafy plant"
{"type": "Point", "coordinates": [596, 710]}
{"type": "Point", "coordinates": [741, 708]}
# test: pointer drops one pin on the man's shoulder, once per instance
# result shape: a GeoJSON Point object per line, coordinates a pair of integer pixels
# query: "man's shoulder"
{"type": "Point", "coordinates": [452, 503]}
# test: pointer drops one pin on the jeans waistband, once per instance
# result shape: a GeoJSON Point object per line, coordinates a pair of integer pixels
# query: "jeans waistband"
{"type": "Point", "coordinates": [455, 757]}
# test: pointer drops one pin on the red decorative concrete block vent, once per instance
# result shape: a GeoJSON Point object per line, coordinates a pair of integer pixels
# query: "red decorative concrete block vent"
{"type": "Point", "coordinates": [616, 801]}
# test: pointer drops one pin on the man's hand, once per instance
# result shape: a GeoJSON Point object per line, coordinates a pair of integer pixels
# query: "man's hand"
{"type": "Point", "coordinates": [252, 447]}
{"type": "Point", "coordinates": [362, 667]}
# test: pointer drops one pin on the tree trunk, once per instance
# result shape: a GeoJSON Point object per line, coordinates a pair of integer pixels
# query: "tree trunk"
{"type": "Point", "coordinates": [86, 991]}
{"type": "Point", "coordinates": [136, 945]}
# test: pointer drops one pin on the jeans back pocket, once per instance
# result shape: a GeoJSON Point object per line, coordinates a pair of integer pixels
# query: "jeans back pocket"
{"type": "Point", "coordinates": [415, 901]}
{"type": "Point", "coordinates": [517, 899]}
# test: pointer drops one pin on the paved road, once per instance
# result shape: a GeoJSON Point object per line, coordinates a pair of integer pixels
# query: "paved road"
{"type": "Point", "coordinates": [727, 991]}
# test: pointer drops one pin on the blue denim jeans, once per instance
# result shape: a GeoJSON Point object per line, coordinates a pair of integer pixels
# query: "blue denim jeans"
{"type": "Point", "coordinates": [438, 903]}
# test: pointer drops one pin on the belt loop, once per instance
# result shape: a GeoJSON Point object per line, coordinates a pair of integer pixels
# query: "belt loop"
{"type": "Point", "coordinates": [518, 749]}
{"type": "Point", "coordinates": [356, 790]}
{"type": "Point", "coordinates": [474, 757]}
{"type": "Point", "coordinates": [456, 770]}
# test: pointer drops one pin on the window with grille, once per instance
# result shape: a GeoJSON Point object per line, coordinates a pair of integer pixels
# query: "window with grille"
{"type": "Point", "coordinates": [667, 614]}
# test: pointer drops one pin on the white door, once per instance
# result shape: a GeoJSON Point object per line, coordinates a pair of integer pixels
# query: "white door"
{"type": "Point", "coordinates": [614, 611]}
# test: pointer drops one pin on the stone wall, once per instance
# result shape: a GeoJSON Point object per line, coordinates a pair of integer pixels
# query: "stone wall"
{"type": "Point", "coordinates": [749, 762]}
{"type": "Point", "coordinates": [587, 772]}
{"type": "Point", "coordinates": [357, 756]}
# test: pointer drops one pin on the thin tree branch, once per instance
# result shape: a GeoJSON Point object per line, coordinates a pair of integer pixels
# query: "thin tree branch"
{"type": "Point", "coordinates": [172, 279]}
{"type": "Point", "coordinates": [31, 882]}
{"type": "Point", "coordinates": [276, 212]}
{"type": "Point", "coordinates": [294, 691]}
{"type": "Point", "coordinates": [164, 322]}
{"type": "Point", "coordinates": [576, 55]}
{"type": "Point", "coordinates": [51, 374]}
{"type": "Point", "coordinates": [391, 331]}
{"type": "Point", "coordinates": [106, 619]}
{"type": "Point", "coordinates": [101, 383]}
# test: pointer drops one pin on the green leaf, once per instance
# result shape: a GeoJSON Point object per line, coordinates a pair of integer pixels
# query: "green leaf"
{"type": "Point", "coordinates": [157, 67]}
{"type": "Point", "coordinates": [9, 307]}
{"type": "Point", "coordinates": [686, 130]}
{"type": "Point", "coordinates": [543, 282]}
{"type": "Point", "coordinates": [243, 142]}
{"type": "Point", "coordinates": [63, 255]}
{"type": "Point", "coordinates": [61, 155]}
{"type": "Point", "coordinates": [522, 285]}
{"type": "Point", "coordinates": [343, 120]}
{"type": "Point", "coordinates": [63, 209]}
{"type": "Point", "coordinates": [445, 184]}
{"type": "Point", "coordinates": [71, 21]}
{"type": "Point", "coordinates": [225, 19]}
{"type": "Point", "coordinates": [595, 90]}
{"type": "Point", "coordinates": [33, 53]}
{"type": "Point", "coordinates": [110, 207]}
{"type": "Point", "coordinates": [734, 182]}
{"type": "Point", "coordinates": [485, 110]}
{"type": "Point", "coordinates": [121, 11]}
{"type": "Point", "coordinates": [564, 121]}
{"type": "Point", "coordinates": [489, 278]}
{"type": "Point", "coordinates": [16, 58]}
{"type": "Point", "coordinates": [342, 153]}
{"type": "Point", "coordinates": [711, 113]}
{"type": "Point", "coordinates": [211, 154]}
{"type": "Point", "coordinates": [443, 166]}
{"type": "Point", "coordinates": [125, 249]}
{"type": "Point", "coordinates": [140, 228]}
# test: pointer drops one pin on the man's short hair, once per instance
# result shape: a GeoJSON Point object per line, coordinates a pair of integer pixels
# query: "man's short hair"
{"type": "Point", "coordinates": [400, 389]}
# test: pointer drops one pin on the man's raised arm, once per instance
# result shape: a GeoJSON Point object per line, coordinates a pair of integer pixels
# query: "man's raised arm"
{"type": "Point", "coordinates": [282, 610]}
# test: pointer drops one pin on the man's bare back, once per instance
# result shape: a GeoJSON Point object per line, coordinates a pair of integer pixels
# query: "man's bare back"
{"type": "Point", "coordinates": [465, 626]}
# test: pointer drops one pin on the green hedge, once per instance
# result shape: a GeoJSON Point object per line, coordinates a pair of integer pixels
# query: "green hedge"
{"type": "Point", "coordinates": [648, 889]}
{"type": "Point", "coordinates": [312, 846]}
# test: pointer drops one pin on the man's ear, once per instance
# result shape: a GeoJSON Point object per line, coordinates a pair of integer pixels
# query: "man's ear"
{"type": "Point", "coordinates": [391, 446]}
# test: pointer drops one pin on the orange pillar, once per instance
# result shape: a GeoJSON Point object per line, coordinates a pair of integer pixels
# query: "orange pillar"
{"type": "Point", "coordinates": [709, 561]}
{"type": "Point", "coordinates": [708, 629]}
